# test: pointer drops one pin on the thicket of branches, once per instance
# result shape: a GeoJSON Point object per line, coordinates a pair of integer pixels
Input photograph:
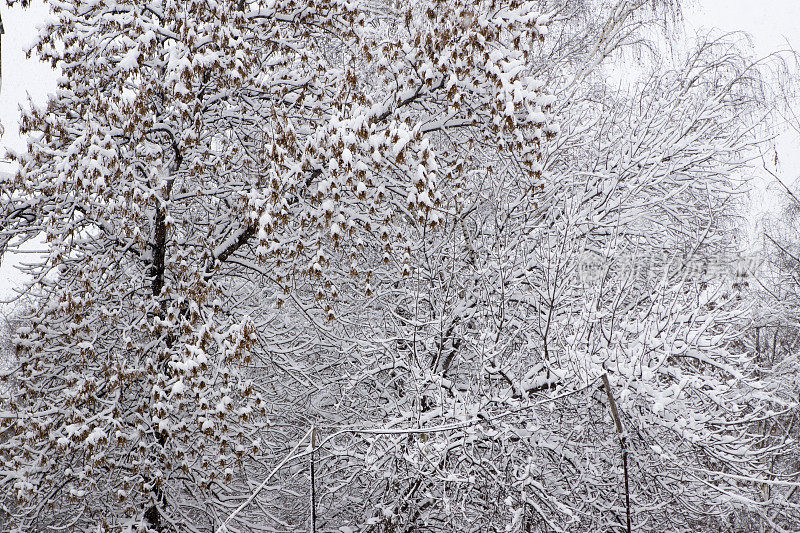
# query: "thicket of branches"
{"type": "Point", "coordinates": [414, 234]}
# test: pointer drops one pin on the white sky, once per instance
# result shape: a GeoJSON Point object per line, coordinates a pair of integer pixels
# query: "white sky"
{"type": "Point", "coordinates": [772, 24]}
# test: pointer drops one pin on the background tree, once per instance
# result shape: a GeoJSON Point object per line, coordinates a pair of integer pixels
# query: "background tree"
{"type": "Point", "coordinates": [771, 334]}
{"type": "Point", "coordinates": [502, 321]}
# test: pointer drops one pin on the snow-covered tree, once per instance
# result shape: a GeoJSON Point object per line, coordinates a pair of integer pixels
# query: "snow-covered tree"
{"type": "Point", "coordinates": [773, 336]}
{"type": "Point", "coordinates": [372, 219]}
{"type": "Point", "coordinates": [200, 164]}
{"type": "Point", "coordinates": [620, 261]}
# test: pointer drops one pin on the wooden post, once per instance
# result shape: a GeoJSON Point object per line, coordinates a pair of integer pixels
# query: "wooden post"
{"type": "Point", "coordinates": [617, 422]}
{"type": "Point", "coordinates": [313, 487]}
{"type": "Point", "coordinates": [774, 345]}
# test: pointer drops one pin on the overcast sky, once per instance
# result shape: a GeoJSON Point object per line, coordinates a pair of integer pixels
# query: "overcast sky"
{"type": "Point", "coordinates": [772, 24]}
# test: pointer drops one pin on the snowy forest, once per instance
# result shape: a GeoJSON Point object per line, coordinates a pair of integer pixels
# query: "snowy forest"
{"type": "Point", "coordinates": [396, 266]}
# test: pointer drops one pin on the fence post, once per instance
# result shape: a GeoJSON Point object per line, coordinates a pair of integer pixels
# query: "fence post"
{"type": "Point", "coordinates": [313, 484]}
{"type": "Point", "coordinates": [615, 414]}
